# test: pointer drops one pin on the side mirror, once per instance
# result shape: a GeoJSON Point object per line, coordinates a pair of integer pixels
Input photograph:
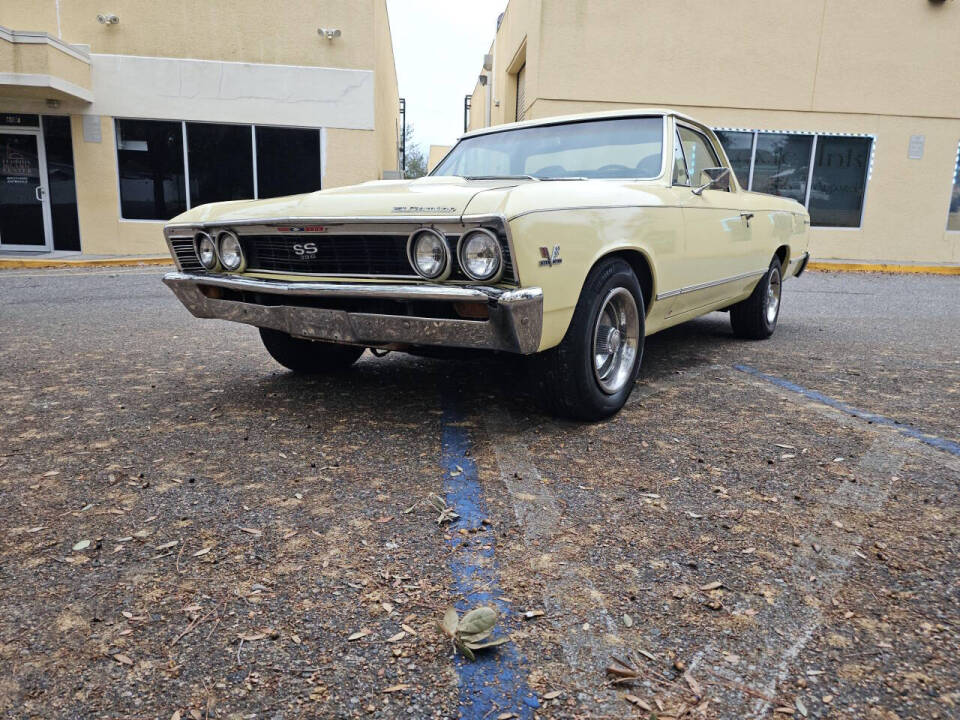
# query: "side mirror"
{"type": "Point", "coordinates": [717, 178]}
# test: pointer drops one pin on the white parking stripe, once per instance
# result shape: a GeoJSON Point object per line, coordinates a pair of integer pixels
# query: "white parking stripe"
{"type": "Point", "coordinates": [588, 641]}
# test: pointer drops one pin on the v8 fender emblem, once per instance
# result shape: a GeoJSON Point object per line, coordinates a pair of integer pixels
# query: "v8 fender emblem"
{"type": "Point", "coordinates": [550, 259]}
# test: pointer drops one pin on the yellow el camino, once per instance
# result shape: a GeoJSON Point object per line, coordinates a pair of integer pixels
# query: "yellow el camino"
{"type": "Point", "coordinates": [566, 239]}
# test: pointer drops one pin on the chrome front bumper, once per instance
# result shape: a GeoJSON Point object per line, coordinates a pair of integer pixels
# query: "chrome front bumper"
{"type": "Point", "coordinates": [514, 324]}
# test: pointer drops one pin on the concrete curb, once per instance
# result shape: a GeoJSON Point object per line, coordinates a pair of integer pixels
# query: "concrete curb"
{"type": "Point", "coordinates": [883, 268]}
{"type": "Point", "coordinates": [22, 263]}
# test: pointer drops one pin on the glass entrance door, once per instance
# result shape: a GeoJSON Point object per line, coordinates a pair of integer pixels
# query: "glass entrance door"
{"type": "Point", "coordinates": [24, 198]}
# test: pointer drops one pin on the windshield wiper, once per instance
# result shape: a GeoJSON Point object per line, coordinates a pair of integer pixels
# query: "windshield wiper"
{"type": "Point", "coordinates": [500, 177]}
{"type": "Point", "coordinates": [574, 177]}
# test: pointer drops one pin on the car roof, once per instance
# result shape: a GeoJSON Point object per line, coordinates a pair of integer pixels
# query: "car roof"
{"type": "Point", "coordinates": [560, 119]}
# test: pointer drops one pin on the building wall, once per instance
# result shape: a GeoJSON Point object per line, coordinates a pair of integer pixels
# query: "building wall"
{"type": "Point", "coordinates": [436, 154]}
{"type": "Point", "coordinates": [888, 69]}
{"type": "Point", "coordinates": [233, 62]}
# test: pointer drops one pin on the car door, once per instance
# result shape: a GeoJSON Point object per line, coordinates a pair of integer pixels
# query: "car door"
{"type": "Point", "coordinates": [717, 233]}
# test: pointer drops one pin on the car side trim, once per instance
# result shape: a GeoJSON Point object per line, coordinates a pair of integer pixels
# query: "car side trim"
{"type": "Point", "coordinates": [712, 283]}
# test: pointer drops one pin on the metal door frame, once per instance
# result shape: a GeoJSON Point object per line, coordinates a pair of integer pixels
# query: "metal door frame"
{"type": "Point", "coordinates": [44, 184]}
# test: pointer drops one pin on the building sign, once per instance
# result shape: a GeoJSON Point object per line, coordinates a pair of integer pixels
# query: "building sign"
{"type": "Point", "coordinates": [915, 151]}
{"type": "Point", "coordinates": [17, 120]}
{"type": "Point", "coordinates": [91, 128]}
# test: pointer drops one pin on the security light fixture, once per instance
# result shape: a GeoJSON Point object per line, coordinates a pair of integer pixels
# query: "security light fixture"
{"type": "Point", "coordinates": [328, 33]}
{"type": "Point", "coordinates": [107, 19]}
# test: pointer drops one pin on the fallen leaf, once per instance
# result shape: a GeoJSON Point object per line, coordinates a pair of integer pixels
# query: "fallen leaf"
{"type": "Point", "coordinates": [552, 694]}
{"type": "Point", "coordinates": [507, 716]}
{"type": "Point", "coordinates": [532, 614]}
{"type": "Point", "coordinates": [397, 638]}
{"type": "Point", "coordinates": [81, 545]}
{"type": "Point", "coordinates": [360, 634]}
{"type": "Point", "coordinates": [715, 585]}
{"type": "Point", "coordinates": [693, 684]}
{"type": "Point", "coordinates": [396, 688]}
{"type": "Point", "coordinates": [204, 551]}
{"type": "Point", "coordinates": [477, 620]}
{"type": "Point", "coordinates": [627, 620]}
{"type": "Point", "coordinates": [167, 545]}
{"type": "Point", "coordinates": [122, 659]}
{"type": "Point", "coordinates": [449, 622]}
{"type": "Point", "coordinates": [490, 644]}
{"type": "Point", "coordinates": [251, 531]}
{"type": "Point", "coordinates": [642, 704]}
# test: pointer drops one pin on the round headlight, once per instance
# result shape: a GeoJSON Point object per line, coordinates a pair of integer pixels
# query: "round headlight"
{"type": "Point", "coordinates": [231, 254]}
{"type": "Point", "coordinates": [428, 253]}
{"type": "Point", "coordinates": [480, 255]}
{"type": "Point", "coordinates": [206, 250]}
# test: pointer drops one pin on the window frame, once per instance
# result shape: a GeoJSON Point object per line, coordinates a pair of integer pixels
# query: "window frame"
{"type": "Point", "coordinates": [813, 155]}
{"type": "Point", "coordinates": [954, 182]}
{"type": "Point", "coordinates": [186, 159]}
{"type": "Point", "coordinates": [720, 157]}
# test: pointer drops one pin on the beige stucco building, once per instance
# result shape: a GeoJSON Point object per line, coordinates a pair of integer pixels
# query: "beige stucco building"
{"type": "Point", "coordinates": [113, 122]}
{"type": "Point", "coordinates": [852, 108]}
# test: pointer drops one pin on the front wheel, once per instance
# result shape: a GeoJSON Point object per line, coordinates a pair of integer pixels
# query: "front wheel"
{"type": "Point", "coordinates": [591, 373]}
{"type": "Point", "coordinates": [756, 317]}
{"type": "Point", "coordinates": [308, 356]}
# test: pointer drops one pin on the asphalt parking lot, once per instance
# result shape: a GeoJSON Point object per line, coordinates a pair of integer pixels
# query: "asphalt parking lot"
{"type": "Point", "coordinates": [767, 530]}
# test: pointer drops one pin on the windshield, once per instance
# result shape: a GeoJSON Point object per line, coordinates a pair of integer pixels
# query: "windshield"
{"type": "Point", "coordinates": [616, 148]}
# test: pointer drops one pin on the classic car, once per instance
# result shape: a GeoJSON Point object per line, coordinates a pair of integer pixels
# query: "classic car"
{"type": "Point", "coordinates": [566, 239]}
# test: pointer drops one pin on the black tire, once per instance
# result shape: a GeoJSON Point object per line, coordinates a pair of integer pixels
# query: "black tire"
{"type": "Point", "coordinates": [564, 377]}
{"type": "Point", "coordinates": [308, 356]}
{"type": "Point", "coordinates": [752, 319]}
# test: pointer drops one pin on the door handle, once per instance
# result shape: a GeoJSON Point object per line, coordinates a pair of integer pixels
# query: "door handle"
{"type": "Point", "coordinates": [38, 193]}
{"type": "Point", "coordinates": [747, 217]}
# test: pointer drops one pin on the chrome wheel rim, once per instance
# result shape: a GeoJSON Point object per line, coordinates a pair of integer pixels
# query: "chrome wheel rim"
{"type": "Point", "coordinates": [616, 340]}
{"type": "Point", "coordinates": [773, 296]}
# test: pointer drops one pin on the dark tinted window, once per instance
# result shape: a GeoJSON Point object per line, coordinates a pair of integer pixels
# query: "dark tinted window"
{"type": "Point", "coordinates": [782, 165]}
{"type": "Point", "coordinates": [953, 218]}
{"type": "Point", "coordinates": [150, 161]}
{"type": "Point", "coordinates": [839, 180]}
{"type": "Point", "coordinates": [739, 148]}
{"type": "Point", "coordinates": [221, 162]}
{"type": "Point", "coordinates": [60, 178]}
{"type": "Point", "coordinates": [288, 161]}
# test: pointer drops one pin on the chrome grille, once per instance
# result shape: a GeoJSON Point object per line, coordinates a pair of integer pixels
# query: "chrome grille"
{"type": "Point", "coordinates": [186, 256]}
{"type": "Point", "coordinates": [354, 254]}
{"type": "Point", "coordinates": [335, 254]}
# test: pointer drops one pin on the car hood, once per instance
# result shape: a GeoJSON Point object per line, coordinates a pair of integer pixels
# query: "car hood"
{"type": "Point", "coordinates": [427, 197]}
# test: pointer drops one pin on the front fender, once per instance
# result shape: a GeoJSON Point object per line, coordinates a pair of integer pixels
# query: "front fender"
{"type": "Point", "coordinates": [584, 236]}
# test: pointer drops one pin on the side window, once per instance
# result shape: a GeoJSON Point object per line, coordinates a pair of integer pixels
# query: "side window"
{"type": "Point", "coordinates": [680, 175]}
{"type": "Point", "coordinates": [698, 152]}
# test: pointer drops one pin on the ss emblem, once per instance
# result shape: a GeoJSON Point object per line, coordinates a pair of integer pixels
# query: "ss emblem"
{"type": "Point", "coordinates": [305, 249]}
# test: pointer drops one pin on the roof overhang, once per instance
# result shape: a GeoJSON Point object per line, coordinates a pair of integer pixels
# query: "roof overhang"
{"type": "Point", "coordinates": [37, 65]}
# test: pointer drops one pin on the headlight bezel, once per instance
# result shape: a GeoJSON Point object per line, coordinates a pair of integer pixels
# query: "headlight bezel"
{"type": "Point", "coordinates": [199, 237]}
{"type": "Point", "coordinates": [498, 250]}
{"type": "Point", "coordinates": [230, 235]}
{"type": "Point", "coordinates": [446, 266]}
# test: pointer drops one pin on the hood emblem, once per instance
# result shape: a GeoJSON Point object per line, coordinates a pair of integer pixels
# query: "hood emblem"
{"type": "Point", "coordinates": [304, 228]}
{"type": "Point", "coordinates": [550, 259]}
{"type": "Point", "coordinates": [422, 209]}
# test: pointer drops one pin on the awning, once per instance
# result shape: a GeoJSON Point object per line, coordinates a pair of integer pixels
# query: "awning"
{"type": "Point", "coordinates": [37, 65]}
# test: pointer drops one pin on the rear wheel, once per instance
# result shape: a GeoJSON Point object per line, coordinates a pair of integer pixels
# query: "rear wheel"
{"type": "Point", "coordinates": [308, 356]}
{"type": "Point", "coordinates": [756, 317]}
{"type": "Point", "coordinates": [591, 373]}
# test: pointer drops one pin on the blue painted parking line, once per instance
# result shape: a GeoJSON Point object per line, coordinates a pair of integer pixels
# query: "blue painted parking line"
{"type": "Point", "coordinates": [496, 682]}
{"type": "Point", "coordinates": [905, 430]}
